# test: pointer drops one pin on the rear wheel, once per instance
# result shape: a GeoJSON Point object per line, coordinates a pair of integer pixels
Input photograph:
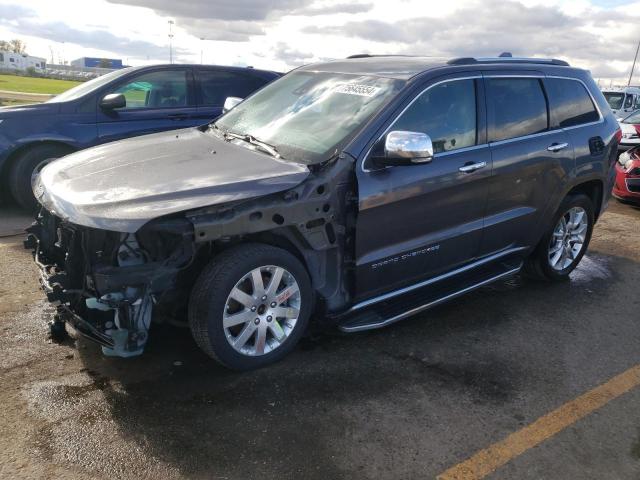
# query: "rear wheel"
{"type": "Point", "coordinates": [27, 165]}
{"type": "Point", "coordinates": [250, 306]}
{"type": "Point", "coordinates": [565, 243]}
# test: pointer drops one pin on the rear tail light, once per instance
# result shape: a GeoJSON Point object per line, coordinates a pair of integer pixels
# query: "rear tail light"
{"type": "Point", "coordinates": [637, 127]}
{"type": "Point", "coordinates": [618, 134]}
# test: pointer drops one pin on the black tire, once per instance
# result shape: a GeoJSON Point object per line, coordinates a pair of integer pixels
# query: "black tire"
{"type": "Point", "coordinates": [537, 265]}
{"type": "Point", "coordinates": [212, 288]}
{"type": "Point", "coordinates": [23, 168]}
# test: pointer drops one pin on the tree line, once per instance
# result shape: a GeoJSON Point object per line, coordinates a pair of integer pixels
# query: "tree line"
{"type": "Point", "coordinates": [13, 46]}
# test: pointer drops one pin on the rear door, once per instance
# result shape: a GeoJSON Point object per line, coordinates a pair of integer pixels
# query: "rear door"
{"type": "Point", "coordinates": [417, 221]}
{"type": "Point", "coordinates": [574, 110]}
{"type": "Point", "coordinates": [214, 85]}
{"type": "Point", "coordinates": [531, 159]}
{"type": "Point", "coordinates": [157, 100]}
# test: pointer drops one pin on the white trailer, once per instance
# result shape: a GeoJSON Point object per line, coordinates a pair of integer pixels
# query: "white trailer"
{"type": "Point", "coordinates": [21, 62]}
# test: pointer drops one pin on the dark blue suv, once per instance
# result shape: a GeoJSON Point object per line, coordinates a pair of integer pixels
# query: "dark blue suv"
{"type": "Point", "coordinates": [353, 193]}
{"type": "Point", "coordinates": [138, 101]}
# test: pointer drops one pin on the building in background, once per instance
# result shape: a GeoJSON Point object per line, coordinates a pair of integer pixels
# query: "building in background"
{"type": "Point", "coordinates": [94, 62]}
{"type": "Point", "coordinates": [21, 62]}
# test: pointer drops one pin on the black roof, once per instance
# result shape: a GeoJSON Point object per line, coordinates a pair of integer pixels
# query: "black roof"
{"type": "Point", "coordinates": [405, 67]}
{"type": "Point", "coordinates": [392, 66]}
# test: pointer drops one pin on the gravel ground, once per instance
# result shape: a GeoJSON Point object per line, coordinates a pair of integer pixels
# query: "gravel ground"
{"type": "Point", "coordinates": [408, 401]}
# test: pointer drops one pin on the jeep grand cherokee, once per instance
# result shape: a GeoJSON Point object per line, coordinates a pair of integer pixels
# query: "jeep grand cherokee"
{"type": "Point", "coordinates": [353, 193]}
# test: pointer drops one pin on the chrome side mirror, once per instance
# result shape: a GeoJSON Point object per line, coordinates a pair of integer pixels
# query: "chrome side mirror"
{"type": "Point", "coordinates": [231, 102]}
{"type": "Point", "coordinates": [405, 148]}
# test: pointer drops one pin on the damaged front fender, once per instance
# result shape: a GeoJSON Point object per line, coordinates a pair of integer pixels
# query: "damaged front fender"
{"type": "Point", "coordinates": [315, 218]}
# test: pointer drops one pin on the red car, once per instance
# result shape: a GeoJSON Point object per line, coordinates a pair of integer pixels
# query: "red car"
{"type": "Point", "coordinates": [630, 131]}
{"type": "Point", "coordinates": [627, 186]}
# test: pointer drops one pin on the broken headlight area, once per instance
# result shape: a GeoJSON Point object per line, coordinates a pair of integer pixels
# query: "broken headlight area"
{"type": "Point", "coordinates": [106, 284]}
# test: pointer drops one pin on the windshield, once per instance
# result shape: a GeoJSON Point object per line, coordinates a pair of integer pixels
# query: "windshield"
{"type": "Point", "coordinates": [308, 116]}
{"type": "Point", "coordinates": [88, 87]}
{"type": "Point", "coordinates": [615, 100]}
{"type": "Point", "coordinates": [633, 118]}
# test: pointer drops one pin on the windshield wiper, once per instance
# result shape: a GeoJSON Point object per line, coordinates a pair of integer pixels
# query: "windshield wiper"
{"type": "Point", "coordinates": [264, 146]}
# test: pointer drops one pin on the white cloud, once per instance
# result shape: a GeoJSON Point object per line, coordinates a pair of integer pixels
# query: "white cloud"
{"type": "Point", "coordinates": [280, 34]}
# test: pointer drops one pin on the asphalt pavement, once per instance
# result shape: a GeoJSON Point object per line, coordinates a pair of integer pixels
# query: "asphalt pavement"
{"type": "Point", "coordinates": [497, 377]}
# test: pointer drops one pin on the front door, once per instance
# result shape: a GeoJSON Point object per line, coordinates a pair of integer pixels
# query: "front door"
{"type": "Point", "coordinates": [417, 221]}
{"type": "Point", "coordinates": [156, 101]}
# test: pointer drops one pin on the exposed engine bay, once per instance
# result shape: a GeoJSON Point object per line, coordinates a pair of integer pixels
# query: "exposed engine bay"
{"type": "Point", "coordinates": [108, 285]}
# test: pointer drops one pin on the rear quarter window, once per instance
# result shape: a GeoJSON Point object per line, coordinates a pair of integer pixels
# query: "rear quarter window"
{"type": "Point", "coordinates": [516, 107]}
{"type": "Point", "coordinates": [570, 102]}
{"type": "Point", "coordinates": [216, 85]}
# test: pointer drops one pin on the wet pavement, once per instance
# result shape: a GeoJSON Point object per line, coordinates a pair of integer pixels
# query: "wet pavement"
{"type": "Point", "coordinates": [408, 401]}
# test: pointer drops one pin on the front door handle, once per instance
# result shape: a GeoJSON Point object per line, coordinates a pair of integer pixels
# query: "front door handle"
{"type": "Point", "coordinates": [556, 147]}
{"type": "Point", "coordinates": [472, 167]}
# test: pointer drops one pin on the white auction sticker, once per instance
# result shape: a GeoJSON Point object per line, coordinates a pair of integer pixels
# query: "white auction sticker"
{"type": "Point", "coordinates": [355, 89]}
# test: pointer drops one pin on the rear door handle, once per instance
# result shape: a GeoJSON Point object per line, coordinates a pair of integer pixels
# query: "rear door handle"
{"type": "Point", "coordinates": [178, 116]}
{"type": "Point", "coordinates": [556, 147]}
{"type": "Point", "coordinates": [472, 167]}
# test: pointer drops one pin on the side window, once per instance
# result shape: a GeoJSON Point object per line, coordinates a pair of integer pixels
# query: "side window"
{"type": "Point", "coordinates": [162, 89]}
{"type": "Point", "coordinates": [447, 113]}
{"type": "Point", "coordinates": [516, 107]}
{"type": "Point", "coordinates": [628, 101]}
{"type": "Point", "coordinates": [570, 102]}
{"type": "Point", "coordinates": [1, 57]}
{"type": "Point", "coordinates": [637, 104]}
{"type": "Point", "coordinates": [217, 85]}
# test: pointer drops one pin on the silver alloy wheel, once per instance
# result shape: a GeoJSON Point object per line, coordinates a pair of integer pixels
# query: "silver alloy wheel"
{"type": "Point", "coordinates": [568, 238]}
{"type": "Point", "coordinates": [262, 310]}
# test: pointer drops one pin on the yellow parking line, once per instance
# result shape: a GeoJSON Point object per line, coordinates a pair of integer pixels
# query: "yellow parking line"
{"type": "Point", "coordinates": [488, 460]}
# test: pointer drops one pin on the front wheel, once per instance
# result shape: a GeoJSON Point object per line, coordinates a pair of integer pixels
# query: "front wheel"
{"type": "Point", "coordinates": [565, 243]}
{"type": "Point", "coordinates": [250, 306]}
{"type": "Point", "coordinates": [26, 167]}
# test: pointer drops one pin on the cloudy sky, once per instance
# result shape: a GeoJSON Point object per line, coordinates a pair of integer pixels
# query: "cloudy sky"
{"type": "Point", "coordinates": [279, 34]}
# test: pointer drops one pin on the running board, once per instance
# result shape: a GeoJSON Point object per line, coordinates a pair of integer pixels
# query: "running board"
{"type": "Point", "coordinates": [385, 313]}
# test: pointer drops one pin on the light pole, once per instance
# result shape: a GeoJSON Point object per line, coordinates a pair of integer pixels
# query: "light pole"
{"type": "Point", "coordinates": [202, 39]}
{"type": "Point", "coordinates": [171, 22]}
{"type": "Point", "coordinates": [633, 67]}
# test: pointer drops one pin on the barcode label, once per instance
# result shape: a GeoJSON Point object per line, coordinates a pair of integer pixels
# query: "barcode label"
{"type": "Point", "coordinates": [354, 89]}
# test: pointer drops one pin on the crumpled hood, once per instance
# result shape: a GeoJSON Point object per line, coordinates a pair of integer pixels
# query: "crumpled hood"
{"type": "Point", "coordinates": [122, 185]}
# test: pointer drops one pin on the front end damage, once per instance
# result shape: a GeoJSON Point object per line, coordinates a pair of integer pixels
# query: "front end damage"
{"type": "Point", "coordinates": [105, 284]}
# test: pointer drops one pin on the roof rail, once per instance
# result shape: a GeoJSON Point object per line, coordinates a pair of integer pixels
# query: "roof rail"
{"type": "Point", "coordinates": [372, 55]}
{"type": "Point", "coordinates": [505, 59]}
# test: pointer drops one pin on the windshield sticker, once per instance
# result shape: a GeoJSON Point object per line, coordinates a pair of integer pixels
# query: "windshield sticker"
{"type": "Point", "coordinates": [355, 89]}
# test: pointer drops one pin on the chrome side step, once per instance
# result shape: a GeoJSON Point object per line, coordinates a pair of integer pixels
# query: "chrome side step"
{"type": "Point", "coordinates": [430, 281]}
{"type": "Point", "coordinates": [384, 315]}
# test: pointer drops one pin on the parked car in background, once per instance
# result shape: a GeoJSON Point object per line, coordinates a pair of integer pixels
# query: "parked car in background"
{"type": "Point", "coordinates": [622, 101]}
{"type": "Point", "coordinates": [630, 126]}
{"type": "Point", "coordinates": [121, 104]}
{"type": "Point", "coordinates": [361, 191]}
{"type": "Point", "coordinates": [627, 186]}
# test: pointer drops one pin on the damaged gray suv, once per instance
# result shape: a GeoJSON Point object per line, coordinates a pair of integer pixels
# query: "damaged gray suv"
{"type": "Point", "coordinates": [353, 193]}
